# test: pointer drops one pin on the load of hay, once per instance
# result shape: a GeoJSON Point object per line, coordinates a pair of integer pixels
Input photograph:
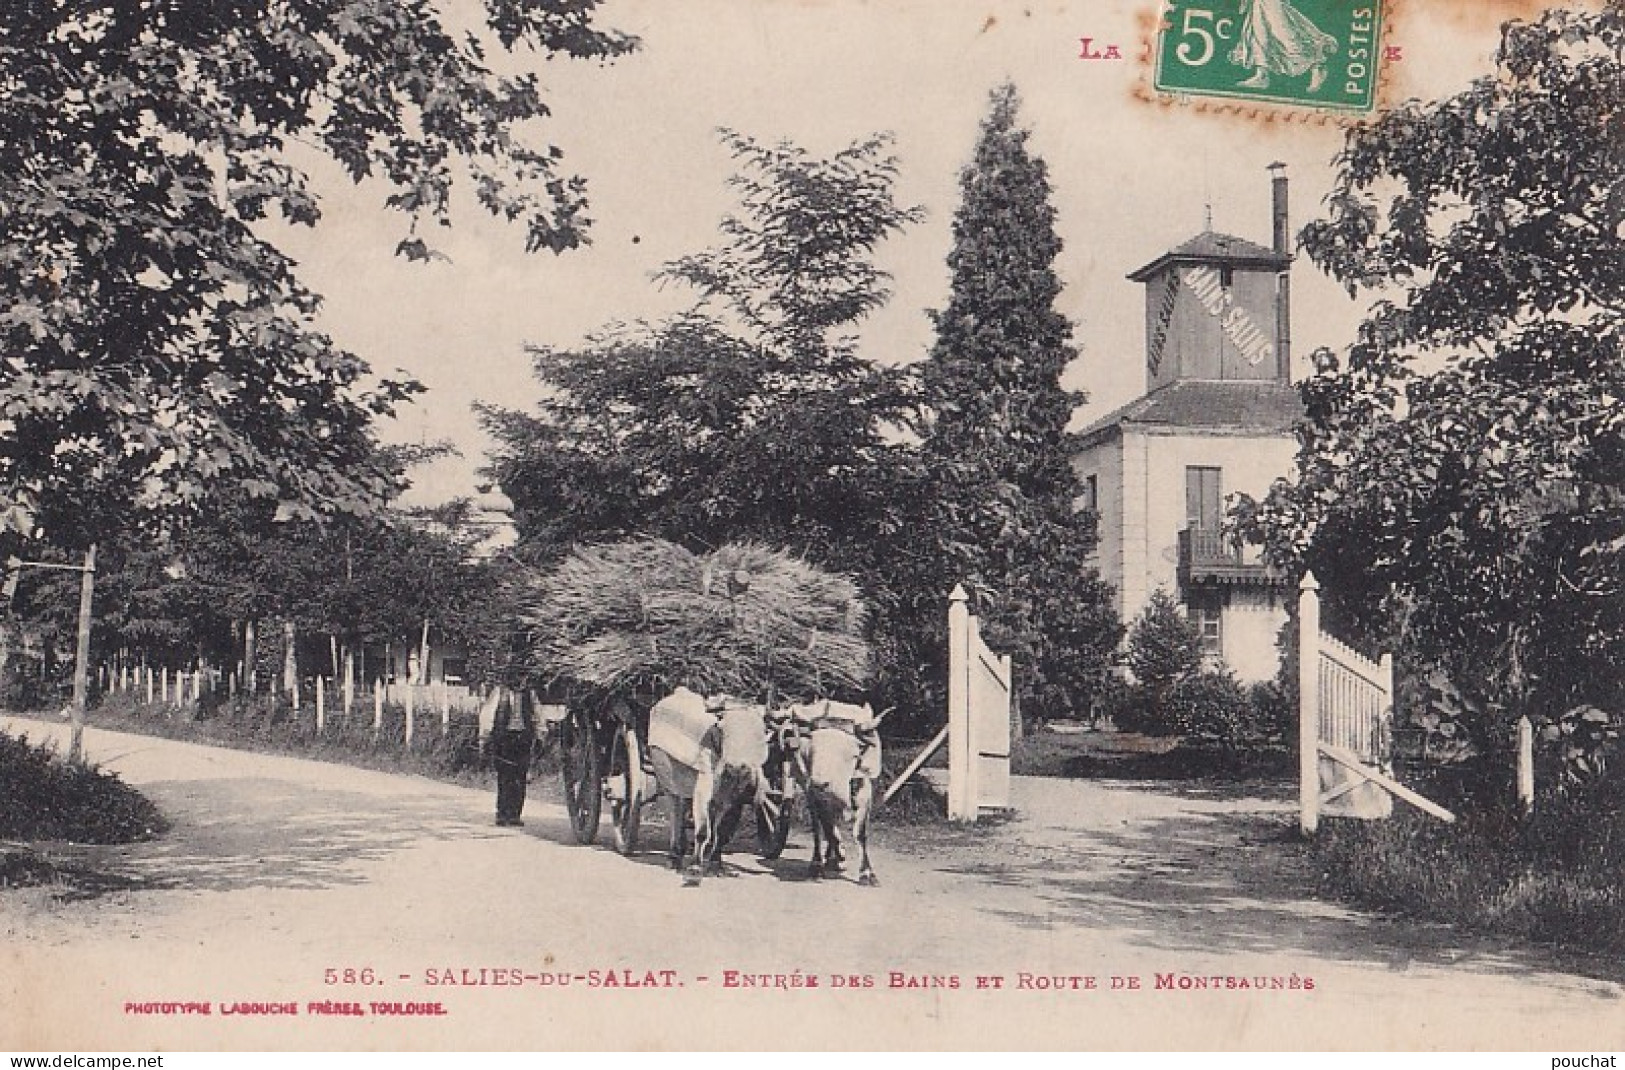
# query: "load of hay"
{"type": "Point", "coordinates": [648, 616]}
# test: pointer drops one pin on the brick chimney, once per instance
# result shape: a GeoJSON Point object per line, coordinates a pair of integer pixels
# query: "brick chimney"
{"type": "Point", "coordinates": [1283, 282]}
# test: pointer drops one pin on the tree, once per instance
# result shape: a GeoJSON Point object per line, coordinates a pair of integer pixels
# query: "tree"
{"type": "Point", "coordinates": [752, 417]}
{"type": "Point", "coordinates": [1163, 645]}
{"type": "Point", "coordinates": [1461, 477]}
{"type": "Point", "coordinates": [225, 587]}
{"type": "Point", "coordinates": [157, 344]}
{"type": "Point", "coordinates": [998, 445]}
{"type": "Point", "coordinates": [749, 417]}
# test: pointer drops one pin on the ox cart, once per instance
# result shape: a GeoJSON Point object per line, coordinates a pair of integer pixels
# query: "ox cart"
{"type": "Point", "coordinates": [625, 628]}
{"type": "Point", "coordinates": [606, 768]}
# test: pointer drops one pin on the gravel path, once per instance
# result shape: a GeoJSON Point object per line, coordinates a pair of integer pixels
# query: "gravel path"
{"type": "Point", "coordinates": [279, 870]}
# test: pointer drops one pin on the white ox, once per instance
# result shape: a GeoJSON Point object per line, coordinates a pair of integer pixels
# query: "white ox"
{"type": "Point", "coordinates": [839, 765]}
{"type": "Point", "coordinates": [707, 757]}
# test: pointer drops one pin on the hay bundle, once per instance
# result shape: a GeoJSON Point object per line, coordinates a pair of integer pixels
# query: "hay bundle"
{"type": "Point", "coordinates": [648, 615]}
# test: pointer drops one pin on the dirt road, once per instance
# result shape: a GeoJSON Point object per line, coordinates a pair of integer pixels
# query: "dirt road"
{"type": "Point", "coordinates": [279, 871]}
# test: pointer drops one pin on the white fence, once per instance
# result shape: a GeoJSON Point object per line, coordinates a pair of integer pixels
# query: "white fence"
{"type": "Point", "coordinates": [183, 690]}
{"type": "Point", "coordinates": [1345, 726]}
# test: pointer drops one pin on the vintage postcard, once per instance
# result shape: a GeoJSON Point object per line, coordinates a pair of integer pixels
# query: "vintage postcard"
{"type": "Point", "coordinates": [310, 899]}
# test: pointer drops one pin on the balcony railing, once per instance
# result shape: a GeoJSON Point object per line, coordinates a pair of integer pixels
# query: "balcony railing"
{"type": "Point", "coordinates": [1212, 557]}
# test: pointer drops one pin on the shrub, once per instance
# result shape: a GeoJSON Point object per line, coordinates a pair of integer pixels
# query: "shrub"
{"type": "Point", "coordinates": [1275, 712]}
{"type": "Point", "coordinates": [1163, 646]}
{"type": "Point", "coordinates": [1584, 740]}
{"type": "Point", "coordinates": [45, 797]}
{"type": "Point", "coordinates": [1211, 709]}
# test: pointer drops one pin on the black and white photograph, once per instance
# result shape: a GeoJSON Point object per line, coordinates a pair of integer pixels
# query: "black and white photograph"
{"type": "Point", "coordinates": [812, 525]}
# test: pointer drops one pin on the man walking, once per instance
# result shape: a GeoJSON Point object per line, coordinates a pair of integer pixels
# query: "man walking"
{"type": "Point", "coordinates": [511, 740]}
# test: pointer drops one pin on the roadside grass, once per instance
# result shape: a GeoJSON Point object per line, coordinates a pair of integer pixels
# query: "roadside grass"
{"type": "Point", "coordinates": [44, 798]}
{"type": "Point", "coordinates": [1067, 750]}
{"type": "Point", "coordinates": [448, 750]}
{"type": "Point", "coordinates": [1551, 878]}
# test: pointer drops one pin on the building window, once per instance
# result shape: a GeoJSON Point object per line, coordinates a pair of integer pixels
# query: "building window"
{"type": "Point", "coordinates": [1207, 614]}
{"type": "Point", "coordinates": [1227, 276]}
{"type": "Point", "coordinates": [1203, 498]}
{"type": "Point", "coordinates": [1087, 499]}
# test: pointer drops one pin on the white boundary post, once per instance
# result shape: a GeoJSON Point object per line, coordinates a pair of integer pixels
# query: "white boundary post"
{"type": "Point", "coordinates": [1309, 704]}
{"type": "Point", "coordinates": [1526, 764]}
{"type": "Point", "coordinates": [961, 762]}
{"type": "Point", "coordinates": [321, 705]}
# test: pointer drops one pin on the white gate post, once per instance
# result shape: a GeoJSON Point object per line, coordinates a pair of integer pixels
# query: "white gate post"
{"type": "Point", "coordinates": [1309, 704]}
{"type": "Point", "coordinates": [1526, 764]}
{"type": "Point", "coordinates": [961, 762]}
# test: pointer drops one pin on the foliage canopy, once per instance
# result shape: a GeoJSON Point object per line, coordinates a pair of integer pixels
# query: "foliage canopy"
{"type": "Point", "coordinates": [157, 345]}
{"type": "Point", "coordinates": [1461, 483]}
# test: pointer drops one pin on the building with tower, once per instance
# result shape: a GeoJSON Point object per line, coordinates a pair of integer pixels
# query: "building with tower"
{"type": "Point", "coordinates": [1216, 419]}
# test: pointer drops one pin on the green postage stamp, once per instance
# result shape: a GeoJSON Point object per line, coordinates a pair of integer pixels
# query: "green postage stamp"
{"type": "Point", "coordinates": [1315, 53]}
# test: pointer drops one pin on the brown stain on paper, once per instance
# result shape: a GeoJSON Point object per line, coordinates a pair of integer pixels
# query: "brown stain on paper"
{"type": "Point", "coordinates": [1266, 117]}
{"type": "Point", "coordinates": [1476, 13]}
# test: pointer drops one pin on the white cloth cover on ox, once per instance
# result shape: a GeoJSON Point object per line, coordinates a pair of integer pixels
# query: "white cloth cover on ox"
{"type": "Point", "coordinates": [678, 725]}
{"type": "Point", "coordinates": [864, 735]}
{"type": "Point", "coordinates": [859, 717]}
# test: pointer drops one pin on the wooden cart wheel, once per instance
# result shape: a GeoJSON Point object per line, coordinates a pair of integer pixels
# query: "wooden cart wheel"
{"type": "Point", "coordinates": [583, 775]}
{"type": "Point", "coordinates": [626, 789]}
{"type": "Point", "coordinates": [773, 821]}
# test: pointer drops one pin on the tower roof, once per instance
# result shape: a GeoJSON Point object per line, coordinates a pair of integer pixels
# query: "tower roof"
{"type": "Point", "coordinates": [1211, 247]}
{"type": "Point", "coordinates": [1254, 406]}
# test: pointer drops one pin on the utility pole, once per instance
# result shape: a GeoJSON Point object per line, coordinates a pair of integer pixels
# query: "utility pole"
{"type": "Point", "coordinates": [81, 662]}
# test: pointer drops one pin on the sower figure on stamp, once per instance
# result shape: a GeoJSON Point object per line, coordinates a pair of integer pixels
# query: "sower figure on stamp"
{"type": "Point", "coordinates": [1276, 38]}
{"type": "Point", "coordinates": [509, 716]}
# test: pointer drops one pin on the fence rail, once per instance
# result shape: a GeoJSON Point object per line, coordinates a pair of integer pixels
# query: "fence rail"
{"type": "Point", "coordinates": [183, 691]}
{"type": "Point", "coordinates": [1356, 702]}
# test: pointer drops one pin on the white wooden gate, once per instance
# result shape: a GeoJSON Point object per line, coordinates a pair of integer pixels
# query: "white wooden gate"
{"type": "Point", "coordinates": [979, 686]}
{"type": "Point", "coordinates": [1345, 726]}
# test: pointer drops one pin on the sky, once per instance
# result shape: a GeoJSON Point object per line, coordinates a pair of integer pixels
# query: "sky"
{"type": "Point", "coordinates": [1132, 177]}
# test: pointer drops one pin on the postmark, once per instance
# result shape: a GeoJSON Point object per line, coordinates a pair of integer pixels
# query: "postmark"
{"type": "Point", "coordinates": [1320, 54]}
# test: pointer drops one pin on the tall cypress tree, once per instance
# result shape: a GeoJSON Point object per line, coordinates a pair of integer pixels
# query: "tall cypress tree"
{"type": "Point", "coordinates": [998, 442]}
